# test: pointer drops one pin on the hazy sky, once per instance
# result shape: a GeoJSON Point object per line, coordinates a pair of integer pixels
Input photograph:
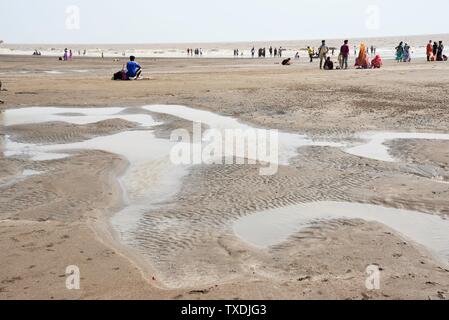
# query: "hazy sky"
{"type": "Point", "coordinates": [150, 21]}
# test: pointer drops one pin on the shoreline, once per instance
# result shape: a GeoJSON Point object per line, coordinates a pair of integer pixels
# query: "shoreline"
{"type": "Point", "coordinates": [384, 45]}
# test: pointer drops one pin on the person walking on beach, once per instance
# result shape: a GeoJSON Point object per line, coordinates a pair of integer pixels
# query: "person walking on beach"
{"type": "Point", "coordinates": [70, 55]}
{"type": "Point", "coordinates": [344, 52]}
{"type": "Point", "coordinates": [440, 51]}
{"type": "Point", "coordinates": [310, 51]}
{"type": "Point", "coordinates": [407, 55]}
{"type": "Point", "coordinates": [400, 52]}
{"type": "Point", "coordinates": [271, 51]}
{"type": "Point", "coordinates": [253, 52]}
{"type": "Point", "coordinates": [322, 53]}
{"type": "Point", "coordinates": [429, 51]}
{"type": "Point", "coordinates": [66, 54]}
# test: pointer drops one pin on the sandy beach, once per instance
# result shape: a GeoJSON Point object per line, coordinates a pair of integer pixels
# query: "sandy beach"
{"type": "Point", "coordinates": [60, 212]}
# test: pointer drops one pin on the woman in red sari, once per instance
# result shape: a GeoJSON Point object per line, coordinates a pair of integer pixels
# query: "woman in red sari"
{"type": "Point", "coordinates": [377, 62]}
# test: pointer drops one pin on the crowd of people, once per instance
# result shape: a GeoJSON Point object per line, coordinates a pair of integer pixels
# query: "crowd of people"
{"type": "Point", "coordinates": [434, 51]}
{"type": "Point", "coordinates": [362, 61]}
{"type": "Point", "coordinates": [363, 57]}
{"type": "Point", "coordinates": [68, 54]}
{"type": "Point", "coordinates": [197, 52]}
{"type": "Point", "coordinates": [324, 55]}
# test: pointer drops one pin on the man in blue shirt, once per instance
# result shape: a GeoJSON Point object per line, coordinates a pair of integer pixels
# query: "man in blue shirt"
{"type": "Point", "coordinates": [134, 70]}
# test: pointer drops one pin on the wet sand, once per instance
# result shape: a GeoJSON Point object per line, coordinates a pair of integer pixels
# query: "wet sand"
{"type": "Point", "coordinates": [60, 216]}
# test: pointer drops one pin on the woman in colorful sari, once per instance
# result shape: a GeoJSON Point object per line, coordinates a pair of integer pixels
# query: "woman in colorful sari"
{"type": "Point", "coordinates": [407, 57]}
{"type": "Point", "coordinates": [377, 62]}
{"type": "Point", "coordinates": [400, 52]}
{"type": "Point", "coordinates": [363, 61]}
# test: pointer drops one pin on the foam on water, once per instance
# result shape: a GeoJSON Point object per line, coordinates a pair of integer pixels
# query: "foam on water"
{"type": "Point", "coordinates": [272, 227]}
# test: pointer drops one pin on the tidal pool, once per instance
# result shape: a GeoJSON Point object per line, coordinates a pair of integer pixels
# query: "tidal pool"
{"type": "Point", "coordinates": [272, 227]}
{"type": "Point", "coordinates": [152, 179]}
{"type": "Point", "coordinates": [375, 148]}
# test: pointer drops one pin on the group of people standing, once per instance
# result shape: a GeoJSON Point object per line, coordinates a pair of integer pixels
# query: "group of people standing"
{"type": "Point", "coordinates": [196, 52]}
{"type": "Point", "coordinates": [435, 51]}
{"type": "Point", "coordinates": [362, 61]}
{"type": "Point", "coordinates": [262, 52]}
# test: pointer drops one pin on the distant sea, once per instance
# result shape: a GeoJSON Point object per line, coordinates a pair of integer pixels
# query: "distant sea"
{"type": "Point", "coordinates": [384, 46]}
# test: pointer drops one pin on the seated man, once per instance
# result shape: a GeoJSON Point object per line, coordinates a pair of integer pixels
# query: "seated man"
{"type": "Point", "coordinates": [287, 62]}
{"type": "Point", "coordinates": [328, 65]}
{"type": "Point", "coordinates": [133, 69]}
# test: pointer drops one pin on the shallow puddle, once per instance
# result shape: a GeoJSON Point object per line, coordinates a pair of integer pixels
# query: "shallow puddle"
{"type": "Point", "coordinates": [29, 173]}
{"type": "Point", "coordinates": [289, 143]}
{"type": "Point", "coordinates": [53, 72]}
{"type": "Point", "coordinates": [152, 179]}
{"type": "Point", "coordinates": [376, 149]}
{"type": "Point", "coordinates": [78, 116]}
{"type": "Point", "coordinates": [272, 227]}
